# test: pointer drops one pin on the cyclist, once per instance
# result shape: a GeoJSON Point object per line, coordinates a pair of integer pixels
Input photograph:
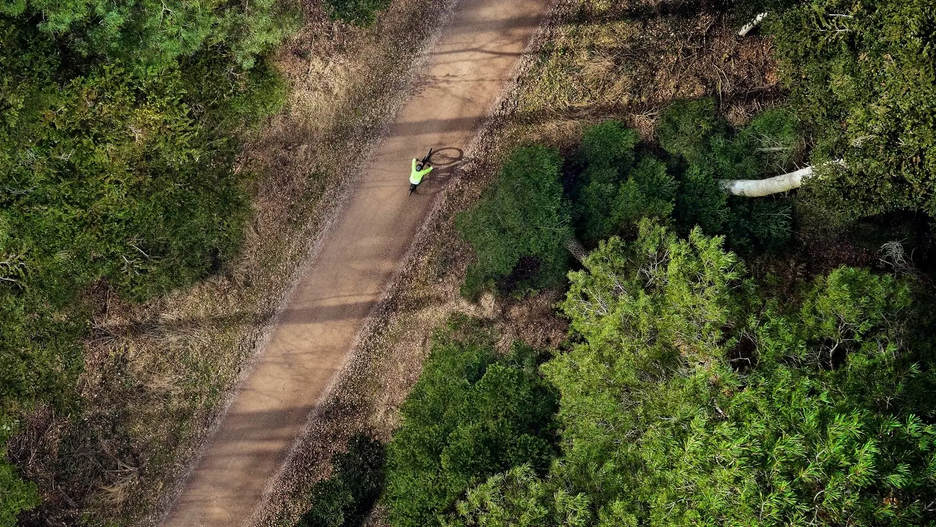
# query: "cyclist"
{"type": "Point", "coordinates": [418, 173]}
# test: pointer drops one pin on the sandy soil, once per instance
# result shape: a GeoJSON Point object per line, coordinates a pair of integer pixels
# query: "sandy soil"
{"type": "Point", "coordinates": [473, 58]}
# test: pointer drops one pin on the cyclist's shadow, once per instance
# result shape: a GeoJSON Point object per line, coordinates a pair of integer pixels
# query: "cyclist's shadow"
{"type": "Point", "coordinates": [444, 162]}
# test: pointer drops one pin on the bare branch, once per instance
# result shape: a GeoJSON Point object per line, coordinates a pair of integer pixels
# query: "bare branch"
{"type": "Point", "coordinates": [751, 25]}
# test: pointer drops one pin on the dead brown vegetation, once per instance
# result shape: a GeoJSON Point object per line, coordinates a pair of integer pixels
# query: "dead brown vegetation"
{"type": "Point", "coordinates": [629, 59]}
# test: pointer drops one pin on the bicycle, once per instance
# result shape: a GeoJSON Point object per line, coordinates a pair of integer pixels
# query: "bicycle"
{"type": "Point", "coordinates": [422, 163]}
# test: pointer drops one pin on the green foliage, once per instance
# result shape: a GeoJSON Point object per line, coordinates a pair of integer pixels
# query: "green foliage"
{"type": "Point", "coordinates": [700, 201]}
{"type": "Point", "coordinates": [346, 498]}
{"type": "Point", "coordinates": [743, 12]}
{"type": "Point", "coordinates": [642, 314]}
{"type": "Point", "coordinates": [119, 122]}
{"type": "Point", "coordinates": [757, 225]}
{"type": "Point", "coordinates": [862, 76]}
{"type": "Point", "coordinates": [708, 151]}
{"type": "Point", "coordinates": [17, 495]}
{"type": "Point", "coordinates": [39, 353]}
{"type": "Point", "coordinates": [609, 145]}
{"type": "Point", "coordinates": [114, 187]}
{"type": "Point", "coordinates": [608, 149]}
{"type": "Point", "coordinates": [520, 498]}
{"type": "Point", "coordinates": [523, 214]}
{"type": "Point", "coordinates": [690, 280]}
{"type": "Point", "coordinates": [618, 187]}
{"type": "Point", "coordinates": [470, 415]}
{"type": "Point", "coordinates": [682, 405]}
{"type": "Point", "coordinates": [357, 12]}
{"type": "Point", "coordinates": [686, 128]}
{"type": "Point", "coordinates": [836, 401]}
{"type": "Point", "coordinates": [152, 35]}
{"type": "Point", "coordinates": [775, 136]}
{"type": "Point", "coordinates": [648, 192]}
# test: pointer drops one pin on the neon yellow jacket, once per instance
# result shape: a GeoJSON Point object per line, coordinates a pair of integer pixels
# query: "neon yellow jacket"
{"type": "Point", "coordinates": [417, 175]}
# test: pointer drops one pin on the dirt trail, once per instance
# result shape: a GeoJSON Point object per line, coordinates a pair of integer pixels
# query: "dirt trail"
{"type": "Point", "coordinates": [472, 59]}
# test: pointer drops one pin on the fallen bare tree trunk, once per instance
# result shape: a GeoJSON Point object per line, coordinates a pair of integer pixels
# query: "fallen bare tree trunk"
{"type": "Point", "coordinates": [755, 188]}
{"type": "Point", "coordinates": [748, 188]}
{"type": "Point", "coordinates": [752, 24]}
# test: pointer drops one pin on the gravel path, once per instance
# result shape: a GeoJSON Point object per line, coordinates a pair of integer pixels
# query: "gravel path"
{"type": "Point", "coordinates": [471, 61]}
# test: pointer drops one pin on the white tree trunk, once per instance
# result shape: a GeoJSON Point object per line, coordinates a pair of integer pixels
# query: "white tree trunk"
{"type": "Point", "coordinates": [755, 188]}
{"type": "Point", "coordinates": [752, 24]}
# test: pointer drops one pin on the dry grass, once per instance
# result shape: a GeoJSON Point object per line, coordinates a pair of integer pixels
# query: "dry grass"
{"type": "Point", "coordinates": [629, 59]}
{"type": "Point", "coordinates": [156, 375]}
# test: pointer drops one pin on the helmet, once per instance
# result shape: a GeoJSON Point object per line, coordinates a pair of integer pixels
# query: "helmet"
{"type": "Point", "coordinates": [419, 166]}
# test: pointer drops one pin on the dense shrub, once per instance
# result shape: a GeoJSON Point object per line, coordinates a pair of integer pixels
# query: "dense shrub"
{"type": "Point", "coordinates": [609, 145]}
{"type": "Point", "coordinates": [470, 415]}
{"type": "Point", "coordinates": [346, 498]}
{"type": "Point", "coordinates": [862, 76]}
{"type": "Point", "coordinates": [620, 184]}
{"type": "Point", "coordinates": [522, 214]}
{"type": "Point", "coordinates": [119, 122]}
{"type": "Point", "coordinates": [686, 128]}
{"type": "Point", "coordinates": [689, 398]}
{"type": "Point", "coordinates": [775, 137]}
{"type": "Point", "coordinates": [17, 495]}
{"type": "Point", "coordinates": [617, 186]}
{"type": "Point", "coordinates": [707, 150]}
{"type": "Point", "coordinates": [521, 498]}
{"type": "Point", "coordinates": [153, 34]}
{"type": "Point", "coordinates": [648, 192]}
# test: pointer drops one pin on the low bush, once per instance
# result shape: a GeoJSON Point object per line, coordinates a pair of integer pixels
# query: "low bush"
{"type": "Point", "coordinates": [706, 150]}
{"type": "Point", "coordinates": [863, 79]}
{"type": "Point", "coordinates": [470, 415]}
{"type": "Point", "coordinates": [347, 497]}
{"type": "Point", "coordinates": [357, 12]}
{"type": "Point", "coordinates": [522, 214]}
